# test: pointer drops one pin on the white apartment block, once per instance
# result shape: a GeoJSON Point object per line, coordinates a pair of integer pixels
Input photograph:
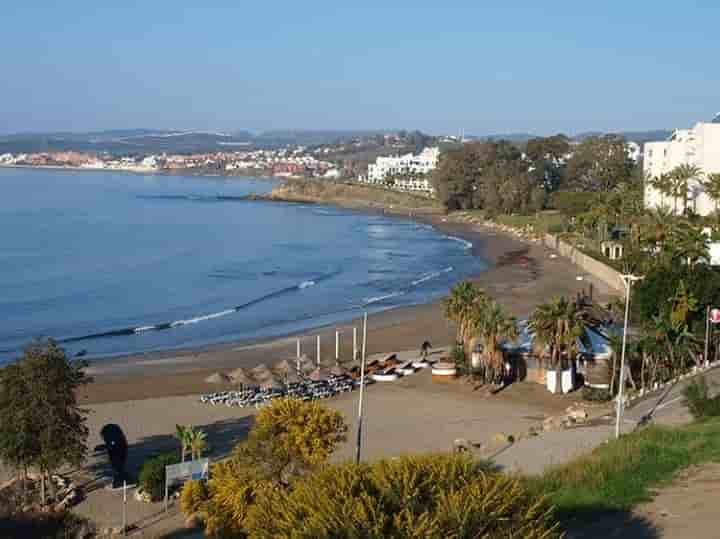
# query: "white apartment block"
{"type": "Point", "coordinates": [700, 147]}
{"type": "Point", "coordinates": [411, 172]}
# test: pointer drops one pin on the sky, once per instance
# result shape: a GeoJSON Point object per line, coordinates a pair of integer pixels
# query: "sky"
{"type": "Point", "coordinates": [479, 66]}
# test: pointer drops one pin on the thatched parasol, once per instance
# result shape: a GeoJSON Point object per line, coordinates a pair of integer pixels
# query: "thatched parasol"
{"type": "Point", "coordinates": [319, 374]}
{"type": "Point", "coordinates": [283, 367]}
{"type": "Point", "coordinates": [292, 378]}
{"type": "Point", "coordinates": [240, 377]}
{"type": "Point", "coordinates": [218, 378]}
{"type": "Point", "coordinates": [307, 365]}
{"type": "Point", "coordinates": [261, 372]}
{"type": "Point", "coordinates": [337, 370]}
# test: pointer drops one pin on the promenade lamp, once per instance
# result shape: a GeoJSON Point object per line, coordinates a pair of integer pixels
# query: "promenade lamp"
{"type": "Point", "coordinates": [628, 280]}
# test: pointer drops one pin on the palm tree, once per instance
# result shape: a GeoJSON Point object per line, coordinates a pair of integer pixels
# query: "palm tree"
{"type": "Point", "coordinates": [197, 442]}
{"type": "Point", "coordinates": [680, 178]}
{"type": "Point", "coordinates": [663, 184]}
{"type": "Point", "coordinates": [461, 307]}
{"type": "Point", "coordinates": [493, 326]}
{"type": "Point", "coordinates": [182, 433]}
{"type": "Point", "coordinates": [557, 325]}
{"type": "Point", "coordinates": [712, 188]}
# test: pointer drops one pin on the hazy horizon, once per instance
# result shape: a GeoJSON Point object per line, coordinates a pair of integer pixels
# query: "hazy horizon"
{"type": "Point", "coordinates": [490, 69]}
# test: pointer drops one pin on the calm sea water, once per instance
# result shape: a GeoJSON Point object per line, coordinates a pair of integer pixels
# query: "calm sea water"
{"type": "Point", "coordinates": [115, 263]}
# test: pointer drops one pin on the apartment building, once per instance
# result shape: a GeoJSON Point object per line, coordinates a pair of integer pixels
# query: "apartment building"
{"type": "Point", "coordinates": [408, 172]}
{"type": "Point", "coordinates": [698, 146]}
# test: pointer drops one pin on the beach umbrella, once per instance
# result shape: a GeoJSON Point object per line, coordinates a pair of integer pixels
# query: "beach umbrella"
{"type": "Point", "coordinates": [283, 367]}
{"type": "Point", "coordinates": [218, 378]}
{"type": "Point", "coordinates": [319, 374]}
{"type": "Point", "coordinates": [292, 378]}
{"type": "Point", "coordinates": [240, 377]}
{"type": "Point", "coordinates": [337, 370]}
{"type": "Point", "coordinates": [261, 372]}
{"type": "Point", "coordinates": [307, 365]}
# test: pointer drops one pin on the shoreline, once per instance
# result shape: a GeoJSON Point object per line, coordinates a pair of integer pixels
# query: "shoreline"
{"type": "Point", "coordinates": [520, 275]}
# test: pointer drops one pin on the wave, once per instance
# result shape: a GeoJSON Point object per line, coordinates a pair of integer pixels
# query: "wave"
{"type": "Point", "coordinates": [204, 317]}
{"type": "Point", "coordinates": [431, 275]}
{"type": "Point", "coordinates": [401, 292]}
{"type": "Point", "coordinates": [378, 299]}
{"type": "Point", "coordinates": [466, 244]}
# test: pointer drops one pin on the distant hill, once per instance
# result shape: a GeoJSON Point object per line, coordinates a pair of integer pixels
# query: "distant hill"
{"type": "Point", "coordinates": [125, 141]}
{"type": "Point", "coordinates": [309, 137]}
{"type": "Point", "coordinates": [635, 136]}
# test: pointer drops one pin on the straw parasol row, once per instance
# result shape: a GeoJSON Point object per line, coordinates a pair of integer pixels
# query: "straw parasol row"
{"type": "Point", "coordinates": [284, 371]}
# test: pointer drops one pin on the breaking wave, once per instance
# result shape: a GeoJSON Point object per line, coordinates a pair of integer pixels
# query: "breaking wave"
{"type": "Point", "coordinates": [466, 244]}
{"type": "Point", "coordinates": [204, 317]}
{"type": "Point", "coordinates": [420, 280]}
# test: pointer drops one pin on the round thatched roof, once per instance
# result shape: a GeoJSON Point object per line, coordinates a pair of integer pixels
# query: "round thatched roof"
{"type": "Point", "coordinates": [337, 370]}
{"type": "Point", "coordinates": [261, 372]}
{"type": "Point", "coordinates": [283, 367]}
{"type": "Point", "coordinates": [218, 378]}
{"type": "Point", "coordinates": [240, 376]}
{"type": "Point", "coordinates": [292, 378]}
{"type": "Point", "coordinates": [319, 374]}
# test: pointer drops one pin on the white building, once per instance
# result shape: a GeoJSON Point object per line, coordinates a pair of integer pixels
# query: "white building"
{"type": "Point", "coordinates": [700, 147]}
{"type": "Point", "coordinates": [7, 159]}
{"type": "Point", "coordinates": [410, 172]}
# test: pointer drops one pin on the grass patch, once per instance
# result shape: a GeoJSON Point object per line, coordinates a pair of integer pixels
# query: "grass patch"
{"type": "Point", "coordinates": [621, 473]}
{"type": "Point", "coordinates": [542, 222]}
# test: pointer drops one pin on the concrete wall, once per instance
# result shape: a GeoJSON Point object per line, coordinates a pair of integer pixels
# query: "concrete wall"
{"type": "Point", "coordinates": [594, 267]}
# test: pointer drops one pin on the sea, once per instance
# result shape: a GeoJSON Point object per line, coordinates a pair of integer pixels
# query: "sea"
{"type": "Point", "coordinates": [111, 263]}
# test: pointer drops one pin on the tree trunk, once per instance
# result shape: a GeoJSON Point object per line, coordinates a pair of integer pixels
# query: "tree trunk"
{"type": "Point", "coordinates": [42, 488]}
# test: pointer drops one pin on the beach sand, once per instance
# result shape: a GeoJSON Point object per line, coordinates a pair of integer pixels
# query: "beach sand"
{"type": "Point", "coordinates": [521, 275]}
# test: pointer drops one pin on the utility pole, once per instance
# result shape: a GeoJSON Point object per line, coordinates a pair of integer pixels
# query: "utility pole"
{"type": "Point", "coordinates": [318, 351]}
{"type": "Point", "coordinates": [628, 280]}
{"type": "Point", "coordinates": [362, 391]}
{"type": "Point", "coordinates": [355, 344]}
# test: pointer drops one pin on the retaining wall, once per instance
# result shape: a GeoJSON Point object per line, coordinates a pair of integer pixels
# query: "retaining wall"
{"type": "Point", "coordinates": [594, 267]}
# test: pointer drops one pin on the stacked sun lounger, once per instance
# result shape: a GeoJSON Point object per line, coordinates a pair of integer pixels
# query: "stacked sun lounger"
{"type": "Point", "coordinates": [305, 390]}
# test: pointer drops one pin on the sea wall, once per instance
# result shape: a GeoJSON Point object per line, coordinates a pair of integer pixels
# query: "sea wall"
{"type": "Point", "coordinates": [594, 267]}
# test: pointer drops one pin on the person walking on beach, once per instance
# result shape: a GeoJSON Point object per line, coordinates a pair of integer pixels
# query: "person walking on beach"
{"type": "Point", "coordinates": [425, 350]}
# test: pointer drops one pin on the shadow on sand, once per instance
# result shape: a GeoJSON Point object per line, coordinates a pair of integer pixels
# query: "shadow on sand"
{"type": "Point", "coordinates": [603, 523]}
{"type": "Point", "coordinates": [222, 436]}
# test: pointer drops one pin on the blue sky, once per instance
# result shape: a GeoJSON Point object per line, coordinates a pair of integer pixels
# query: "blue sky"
{"type": "Point", "coordinates": [485, 66]}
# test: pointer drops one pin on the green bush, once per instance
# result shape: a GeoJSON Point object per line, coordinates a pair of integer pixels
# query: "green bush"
{"type": "Point", "coordinates": [434, 496]}
{"type": "Point", "coordinates": [698, 400]}
{"type": "Point", "coordinates": [457, 355]}
{"type": "Point", "coordinates": [193, 497]}
{"type": "Point", "coordinates": [152, 474]}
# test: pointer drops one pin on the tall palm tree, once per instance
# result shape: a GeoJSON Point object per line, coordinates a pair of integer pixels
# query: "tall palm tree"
{"type": "Point", "coordinates": [461, 307]}
{"type": "Point", "coordinates": [663, 184]}
{"type": "Point", "coordinates": [557, 325]}
{"type": "Point", "coordinates": [197, 442]}
{"type": "Point", "coordinates": [711, 184]}
{"type": "Point", "coordinates": [680, 179]}
{"type": "Point", "coordinates": [182, 433]}
{"type": "Point", "coordinates": [493, 326]}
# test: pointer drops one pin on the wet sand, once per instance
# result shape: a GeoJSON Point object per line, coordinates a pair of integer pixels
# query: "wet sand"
{"type": "Point", "coordinates": [521, 275]}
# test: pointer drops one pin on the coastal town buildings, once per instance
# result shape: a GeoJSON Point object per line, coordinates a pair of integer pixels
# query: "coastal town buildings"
{"type": "Point", "coordinates": [699, 147]}
{"type": "Point", "coordinates": [407, 172]}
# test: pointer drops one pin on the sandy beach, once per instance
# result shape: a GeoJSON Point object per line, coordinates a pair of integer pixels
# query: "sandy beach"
{"type": "Point", "coordinates": [521, 275]}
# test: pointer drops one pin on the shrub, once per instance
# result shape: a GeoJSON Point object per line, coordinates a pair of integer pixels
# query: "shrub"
{"type": "Point", "coordinates": [152, 474]}
{"type": "Point", "coordinates": [457, 355]}
{"type": "Point", "coordinates": [193, 497]}
{"type": "Point", "coordinates": [698, 400]}
{"type": "Point", "coordinates": [416, 496]}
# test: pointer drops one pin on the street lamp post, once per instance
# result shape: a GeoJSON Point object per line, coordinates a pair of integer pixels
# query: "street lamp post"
{"type": "Point", "coordinates": [628, 280]}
